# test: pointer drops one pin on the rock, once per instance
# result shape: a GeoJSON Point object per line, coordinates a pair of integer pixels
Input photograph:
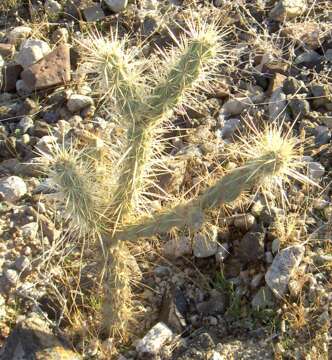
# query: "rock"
{"type": "Point", "coordinates": [222, 253]}
{"type": "Point", "coordinates": [116, 5]}
{"type": "Point", "coordinates": [299, 108]}
{"type": "Point", "coordinates": [282, 268]}
{"type": "Point", "coordinates": [288, 9]}
{"type": "Point", "coordinates": [78, 102]}
{"type": "Point", "coordinates": [25, 124]}
{"type": "Point", "coordinates": [315, 170]}
{"type": "Point", "coordinates": [10, 75]}
{"type": "Point", "coordinates": [22, 263]}
{"type": "Point", "coordinates": [252, 246]}
{"type": "Point", "coordinates": [322, 135]}
{"type": "Point", "coordinates": [18, 34]}
{"type": "Point", "coordinates": [275, 246]}
{"type": "Point", "coordinates": [174, 308]}
{"type": "Point", "coordinates": [244, 222]}
{"type": "Point", "coordinates": [94, 13]}
{"type": "Point", "coordinates": [276, 82]}
{"type": "Point", "coordinates": [263, 299]}
{"type": "Point", "coordinates": [53, 69]}
{"type": "Point", "coordinates": [328, 55]}
{"type": "Point", "coordinates": [235, 106]}
{"type": "Point", "coordinates": [205, 245]}
{"type": "Point", "coordinates": [46, 145]}
{"type": "Point", "coordinates": [12, 188]}
{"type": "Point", "coordinates": [29, 231]}
{"type": "Point", "coordinates": [7, 50]}
{"type": "Point", "coordinates": [32, 339]}
{"type": "Point", "coordinates": [292, 86]}
{"type": "Point", "coordinates": [308, 59]}
{"type": "Point", "coordinates": [153, 341]}
{"type": "Point", "coordinates": [308, 33]}
{"type": "Point", "coordinates": [52, 7]}
{"type": "Point", "coordinates": [277, 105]}
{"type": "Point", "coordinates": [22, 89]}
{"type": "Point", "coordinates": [60, 35]}
{"type": "Point", "coordinates": [322, 94]}
{"type": "Point", "coordinates": [230, 127]}
{"type": "Point", "coordinates": [31, 51]}
{"type": "Point", "coordinates": [177, 247]}
{"type": "Point", "coordinates": [162, 271]}
{"type": "Point", "coordinates": [216, 305]}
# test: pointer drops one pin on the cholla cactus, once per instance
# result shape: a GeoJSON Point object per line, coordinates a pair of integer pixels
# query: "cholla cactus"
{"type": "Point", "coordinates": [143, 110]}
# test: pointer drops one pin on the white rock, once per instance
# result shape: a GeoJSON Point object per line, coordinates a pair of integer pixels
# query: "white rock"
{"type": "Point", "coordinates": [18, 34]}
{"type": "Point", "coordinates": [116, 5]}
{"type": "Point", "coordinates": [205, 244]}
{"type": "Point", "coordinates": [52, 7]}
{"type": "Point", "coordinates": [46, 144]}
{"type": "Point", "coordinates": [29, 231]}
{"type": "Point", "coordinates": [11, 276]}
{"type": "Point", "coordinates": [12, 188]}
{"type": "Point", "coordinates": [315, 170]}
{"type": "Point", "coordinates": [280, 272]}
{"type": "Point", "coordinates": [288, 9]}
{"type": "Point", "coordinates": [31, 51]}
{"type": "Point", "coordinates": [78, 102]}
{"type": "Point", "coordinates": [153, 341]}
{"type": "Point", "coordinates": [25, 123]}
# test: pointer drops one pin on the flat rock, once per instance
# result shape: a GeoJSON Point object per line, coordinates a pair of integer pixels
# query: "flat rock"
{"type": "Point", "coordinates": [280, 272]}
{"type": "Point", "coordinates": [32, 339]}
{"type": "Point", "coordinates": [18, 34]}
{"type": "Point", "coordinates": [53, 69]}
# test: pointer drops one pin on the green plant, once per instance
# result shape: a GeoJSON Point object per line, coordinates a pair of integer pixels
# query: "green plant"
{"type": "Point", "coordinates": [107, 207]}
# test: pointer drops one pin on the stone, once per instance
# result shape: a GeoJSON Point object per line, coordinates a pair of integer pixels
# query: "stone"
{"type": "Point", "coordinates": [256, 280]}
{"type": "Point", "coordinates": [12, 188]}
{"type": "Point", "coordinates": [263, 299]}
{"type": "Point", "coordinates": [60, 35]}
{"type": "Point", "coordinates": [230, 127]}
{"type": "Point", "coordinates": [308, 59]}
{"type": "Point", "coordinates": [292, 86]}
{"type": "Point", "coordinates": [215, 305]}
{"type": "Point", "coordinates": [281, 270]}
{"type": "Point", "coordinates": [77, 102]}
{"type": "Point", "coordinates": [33, 339]}
{"type": "Point", "coordinates": [328, 55]}
{"type": "Point", "coordinates": [10, 75]}
{"type": "Point", "coordinates": [94, 13]}
{"type": "Point", "coordinates": [22, 89]}
{"type": "Point", "coordinates": [29, 231]}
{"type": "Point", "coordinates": [18, 34]}
{"type": "Point", "coordinates": [288, 9]}
{"type": "Point", "coordinates": [322, 135]}
{"type": "Point", "coordinates": [322, 94]}
{"type": "Point", "coordinates": [25, 124]}
{"type": "Point", "coordinates": [205, 245]}
{"type": "Point", "coordinates": [252, 246]}
{"type": "Point", "coordinates": [7, 50]}
{"type": "Point", "coordinates": [53, 69]}
{"type": "Point", "coordinates": [315, 170]}
{"type": "Point", "coordinates": [116, 5]}
{"type": "Point", "coordinates": [31, 51]}
{"type": "Point", "coordinates": [46, 145]}
{"type": "Point", "coordinates": [308, 33]}
{"type": "Point", "coordinates": [177, 247]}
{"type": "Point", "coordinates": [11, 277]}
{"type": "Point", "coordinates": [22, 263]}
{"type": "Point", "coordinates": [52, 7]}
{"type": "Point", "coordinates": [275, 246]}
{"type": "Point", "coordinates": [236, 106]}
{"type": "Point", "coordinates": [174, 308]}
{"type": "Point", "coordinates": [244, 222]}
{"type": "Point", "coordinates": [299, 108]}
{"type": "Point", "coordinates": [153, 341]}
{"type": "Point", "coordinates": [277, 105]}
{"type": "Point", "coordinates": [276, 82]}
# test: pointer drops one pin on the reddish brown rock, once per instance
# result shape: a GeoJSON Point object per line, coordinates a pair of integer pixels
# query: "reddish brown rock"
{"type": "Point", "coordinates": [53, 69]}
{"type": "Point", "coordinates": [10, 75]}
{"type": "Point", "coordinates": [7, 50]}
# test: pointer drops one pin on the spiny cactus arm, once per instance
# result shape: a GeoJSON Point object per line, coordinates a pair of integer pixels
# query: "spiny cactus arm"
{"type": "Point", "coordinates": [191, 214]}
{"type": "Point", "coordinates": [196, 60]}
